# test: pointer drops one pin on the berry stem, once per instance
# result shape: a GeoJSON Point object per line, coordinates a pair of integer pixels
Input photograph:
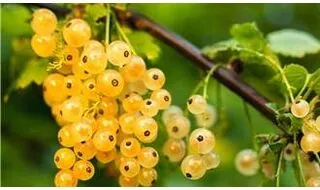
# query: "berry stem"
{"type": "Point", "coordinates": [252, 129]}
{"type": "Point", "coordinates": [107, 37]}
{"type": "Point", "coordinates": [304, 86]}
{"type": "Point", "coordinates": [312, 83]}
{"type": "Point", "coordinates": [303, 182]}
{"type": "Point", "coordinates": [206, 80]}
{"type": "Point", "coordinates": [279, 169]}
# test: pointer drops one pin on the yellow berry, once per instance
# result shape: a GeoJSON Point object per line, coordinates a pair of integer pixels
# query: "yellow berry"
{"type": "Point", "coordinates": [139, 87]}
{"type": "Point", "coordinates": [77, 33]}
{"type": "Point", "coordinates": [132, 103]}
{"type": "Point", "coordinates": [247, 162]}
{"type": "Point", "coordinates": [128, 181]}
{"type": "Point", "coordinates": [72, 109]}
{"type": "Point", "coordinates": [130, 147]}
{"type": "Point", "coordinates": [202, 141]}
{"type": "Point", "coordinates": [83, 170]}
{"type": "Point", "coordinates": [108, 107]}
{"type": "Point", "coordinates": [106, 157]}
{"type": "Point", "coordinates": [300, 108]}
{"type": "Point", "coordinates": [65, 178]}
{"type": "Point", "coordinates": [207, 118]}
{"type": "Point", "coordinates": [44, 22]}
{"type": "Point", "coordinates": [93, 45]}
{"type": "Point", "coordinates": [72, 85]}
{"type": "Point", "coordinates": [174, 149]}
{"type": "Point", "coordinates": [93, 60]}
{"type": "Point", "coordinates": [43, 46]}
{"type": "Point", "coordinates": [310, 142]}
{"type": "Point", "coordinates": [146, 129]}
{"type": "Point", "coordinates": [64, 158]}
{"type": "Point", "coordinates": [110, 83]}
{"type": "Point", "coordinates": [154, 79]}
{"type": "Point", "coordinates": [71, 55]}
{"type": "Point", "coordinates": [89, 89]}
{"type": "Point", "coordinates": [162, 97]}
{"type": "Point", "coordinates": [171, 112]}
{"type": "Point", "coordinates": [53, 87]}
{"type": "Point", "coordinates": [148, 157]}
{"type": "Point", "coordinates": [81, 131]}
{"type": "Point", "coordinates": [147, 177]}
{"type": "Point", "coordinates": [197, 104]}
{"type": "Point", "coordinates": [178, 127]}
{"type": "Point", "coordinates": [80, 72]}
{"type": "Point", "coordinates": [127, 122]}
{"type": "Point", "coordinates": [104, 140]}
{"type": "Point", "coordinates": [65, 137]}
{"type": "Point", "coordinates": [149, 108]}
{"type": "Point", "coordinates": [85, 150]}
{"type": "Point", "coordinates": [129, 167]}
{"type": "Point", "coordinates": [134, 70]}
{"type": "Point", "coordinates": [193, 167]}
{"type": "Point", "coordinates": [212, 160]}
{"type": "Point", "coordinates": [110, 123]}
{"type": "Point", "coordinates": [118, 53]}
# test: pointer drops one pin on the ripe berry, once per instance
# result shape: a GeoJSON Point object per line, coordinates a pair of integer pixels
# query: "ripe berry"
{"type": "Point", "coordinates": [138, 87]}
{"type": "Point", "coordinates": [93, 45]}
{"type": "Point", "coordinates": [65, 137]}
{"type": "Point", "coordinates": [43, 46]}
{"type": "Point", "coordinates": [174, 149]}
{"type": "Point", "coordinates": [80, 72]}
{"type": "Point", "coordinates": [93, 60]}
{"type": "Point", "coordinates": [104, 140]}
{"type": "Point", "coordinates": [212, 160]}
{"type": "Point", "coordinates": [146, 129]}
{"type": "Point", "coordinates": [121, 136]}
{"type": "Point", "coordinates": [53, 87]}
{"type": "Point", "coordinates": [149, 108]}
{"type": "Point", "coordinates": [128, 181]}
{"type": "Point", "coordinates": [132, 102]}
{"type": "Point", "coordinates": [300, 108]}
{"type": "Point", "coordinates": [110, 83]}
{"type": "Point", "coordinates": [65, 178]}
{"type": "Point", "coordinates": [72, 109]}
{"type": "Point", "coordinates": [193, 167]}
{"type": "Point", "coordinates": [64, 158]}
{"type": "Point", "coordinates": [130, 147]}
{"type": "Point", "coordinates": [154, 79]}
{"type": "Point", "coordinates": [83, 170]}
{"type": "Point", "coordinates": [129, 167]}
{"type": "Point", "coordinates": [207, 118]}
{"type": "Point", "coordinates": [197, 104]}
{"type": "Point", "coordinates": [162, 97]}
{"type": "Point", "coordinates": [85, 150]}
{"type": "Point", "coordinates": [71, 55]}
{"type": "Point", "coordinates": [289, 152]}
{"type": "Point", "coordinates": [247, 162]}
{"type": "Point", "coordinates": [170, 112]}
{"type": "Point", "coordinates": [178, 127]}
{"type": "Point", "coordinates": [148, 157]}
{"type": "Point", "coordinates": [77, 33]}
{"type": "Point", "coordinates": [72, 85]}
{"type": "Point", "coordinates": [202, 141]}
{"type": "Point", "coordinates": [89, 89]}
{"type": "Point", "coordinates": [127, 122]}
{"type": "Point", "coordinates": [44, 22]}
{"type": "Point", "coordinates": [119, 53]}
{"type": "Point", "coordinates": [147, 177]}
{"type": "Point", "coordinates": [310, 142]}
{"type": "Point", "coordinates": [56, 115]}
{"type": "Point", "coordinates": [108, 107]}
{"type": "Point", "coordinates": [313, 182]}
{"type": "Point", "coordinates": [134, 70]}
{"type": "Point", "coordinates": [110, 123]}
{"type": "Point", "coordinates": [106, 157]}
{"type": "Point", "coordinates": [81, 131]}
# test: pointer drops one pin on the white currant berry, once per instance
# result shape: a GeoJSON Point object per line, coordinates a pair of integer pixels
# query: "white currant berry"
{"type": "Point", "coordinates": [207, 118]}
{"type": "Point", "coordinates": [196, 104]}
{"type": "Point", "coordinates": [310, 142]}
{"type": "Point", "coordinates": [300, 108]}
{"type": "Point", "coordinates": [247, 162]}
{"type": "Point", "coordinates": [170, 112]}
{"type": "Point", "coordinates": [289, 152]}
{"type": "Point", "coordinates": [201, 141]}
{"type": "Point", "coordinates": [193, 167]}
{"type": "Point", "coordinates": [212, 160]}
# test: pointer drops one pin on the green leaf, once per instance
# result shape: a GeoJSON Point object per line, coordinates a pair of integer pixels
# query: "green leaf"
{"type": "Point", "coordinates": [94, 14]}
{"type": "Point", "coordinates": [289, 122]}
{"type": "Point", "coordinates": [293, 43]}
{"type": "Point", "coordinates": [221, 51]}
{"type": "Point", "coordinates": [145, 45]}
{"type": "Point", "coordinates": [35, 71]}
{"type": "Point", "coordinates": [315, 81]}
{"type": "Point", "coordinates": [249, 36]}
{"type": "Point", "coordinates": [296, 75]}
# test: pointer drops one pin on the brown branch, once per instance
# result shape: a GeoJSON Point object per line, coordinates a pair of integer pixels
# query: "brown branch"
{"type": "Point", "coordinates": [225, 76]}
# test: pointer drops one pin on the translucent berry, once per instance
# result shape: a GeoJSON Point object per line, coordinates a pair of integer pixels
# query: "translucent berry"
{"type": "Point", "coordinates": [44, 22]}
{"type": "Point", "coordinates": [154, 79]}
{"type": "Point", "coordinates": [104, 140]}
{"type": "Point", "coordinates": [170, 112]}
{"type": "Point", "coordinates": [146, 129]}
{"type": "Point", "coordinates": [313, 182]}
{"type": "Point", "coordinates": [53, 87]}
{"type": "Point", "coordinates": [77, 33]}
{"type": "Point", "coordinates": [212, 160]}
{"type": "Point", "coordinates": [207, 118]}
{"type": "Point", "coordinates": [310, 142]}
{"type": "Point", "coordinates": [93, 45]}
{"type": "Point", "coordinates": [128, 181]}
{"type": "Point", "coordinates": [55, 113]}
{"type": "Point", "coordinates": [300, 108]}
{"type": "Point", "coordinates": [43, 46]}
{"type": "Point", "coordinates": [148, 157]}
{"type": "Point", "coordinates": [162, 97]}
{"type": "Point", "coordinates": [193, 167]}
{"type": "Point", "coordinates": [72, 109]}
{"type": "Point", "coordinates": [289, 152]}
{"type": "Point", "coordinates": [121, 136]}
{"type": "Point", "coordinates": [174, 149]}
{"type": "Point", "coordinates": [127, 122]}
{"type": "Point", "coordinates": [65, 178]}
{"type": "Point", "coordinates": [106, 157]}
{"type": "Point", "coordinates": [81, 131]}
{"type": "Point", "coordinates": [64, 158]}
{"type": "Point", "coordinates": [247, 162]}
{"type": "Point", "coordinates": [178, 127]}
{"type": "Point", "coordinates": [65, 137]}
{"type": "Point", "coordinates": [130, 147]}
{"type": "Point", "coordinates": [108, 107]}
{"type": "Point", "coordinates": [65, 69]}
{"type": "Point", "coordinates": [83, 170]}
{"type": "Point", "coordinates": [93, 60]}
{"type": "Point", "coordinates": [197, 104]}
{"type": "Point", "coordinates": [202, 141]}
{"type": "Point", "coordinates": [89, 89]}
{"type": "Point", "coordinates": [71, 55]}
{"type": "Point", "coordinates": [119, 53]}
{"type": "Point", "coordinates": [147, 177]}
{"type": "Point", "coordinates": [110, 83]}
{"type": "Point", "coordinates": [129, 167]}
{"type": "Point", "coordinates": [268, 170]}
{"type": "Point", "coordinates": [72, 85]}
{"type": "Point", "coordinates": [80, 72]}
{"type": "Point", "coordinates": [138, 87]}
{"type": "Point", "coordinates": [85, 150]}
{"type": "Point", "coordinates": [149, 108]}
{"type": "Point", "coordinates": [111, 123]}
{"type": "Point", "coordinates": [134, 70]}
{"type": "Point", "coordinates": [132, 102]}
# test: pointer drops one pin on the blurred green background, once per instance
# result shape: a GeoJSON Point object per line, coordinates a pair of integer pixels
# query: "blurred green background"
{"type": "Point", "coordinates": [28, 133]}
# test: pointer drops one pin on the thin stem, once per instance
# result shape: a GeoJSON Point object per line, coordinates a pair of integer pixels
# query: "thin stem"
{"type": "Point", "coordinates": [252, 129]}
{"type": "Point", "coordinates": [219, 100]}
{"type": "Point", "coordinates": [107, 37]}
{"type": "Point", "coordinates": [315, 81]}
{"type": "Point", "coordinates": [304, 86]}
{"type": "Point", "coordinates": [206, 80]}
{"type": "Point", "coordinates": [279, 169]}
{"type": "Point", "coordinates": [303, 181]}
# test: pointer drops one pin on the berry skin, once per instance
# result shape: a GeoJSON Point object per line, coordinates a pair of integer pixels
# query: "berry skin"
{"type": "Point", "coordinates": [83, 170]}
{"type": "Point", "coordinates": [127, 122]}
{"type": "Point", "coordinates": [89, 89]}
{"type": "Point", "coordinates": [212, 160]}
{"type": "Point", "coordinates": [72, 109]}
{"type": "Point", "coordinates": [85, 150]}
{"type": "Point", "coordinates": [55, 113]}
{"type": "Point", "coordinates": [300, 108]}
{"type": "Point", "coordinates": [72, 85]}
{"type": "Point", "coordinates": [110, 83]}
{"type": "Point", "coordinates": [154, 79]}
{"type": "Point", "coordinates": [104, 140]}
{"type": "Point", "coordinates": [313, 182]}
{"type": "Point", "coordinates": [170, 112]}
{"type": "Point", "coordinates": [106, 157]}
{"type": "Point", "coordinates": [132, 103]}
{"type": "Point", "coordinates": [193, 167]}
{"type": "Point", "coordinates": [44, 22]}
{"type": "Point", "coordinates": [207, 118]}
{"type": "Point", "coordinates": [174, 149]}
{"type": "Point", "coordinates": [81, 131]}
{"type": "Point", "coordinates": [138, 87]}
{"type": "Point", "coordinates": [93, 60]}
{"type": "Point", "coordinates": [128, 181]}
{"type": "Point", "coordinates": [121, 136]}
{"type": "Point", "coordinates": [202, 141]}
{"type": "Point", "coordinates": [289, 152]}
{"type": "Point", "coordinates": [118, 53]}
{"type": "Point", "coordinates": [93, 45]}
{"type": "Point", "coordinates": [310, 142]}
{"type": "Point", "coordinates": [43, 46]}
{"type": "Point", "coordinates": [134, 70]}
{"type": "Point", "coordinates": [71, 55]}
{"type": "Point", "coordinates": [162, 97]}
{"type": "Point", "coordinates": [110, 123]}
{"type": "Point", "coordinates": [130, 147]}
{"type": "Point", "coordinates": [178, 127]}
{"type": "Point", "coordinates": [146, 129]}
{"type": "Point", "coordinates": [247, 162]}
{"type": "Point", "coordinates": [80, 72]}
{"type": "Point", "coordinates": [65, 178]}
{"type": "Point", "coordinates": [129, 167]}
{"type": "Point", "coordinates": [148, 157]}
{"type": "Point", "coordinates": [197, 104]}
{"type": "Point", "coordinates": [64, 158]}
{"type": "Point", "coordinates": [108, 107]}
{"type": "Point", "coordinates": [76, 33]}
{"type": "Point", "coordinates": [149, 108]}
{"type": "Point", "coordinates": [65, 137]}
{"type": "Point", "coordinates": [53, 87]}
{"type": "Point", "coordinates": [147, 177]}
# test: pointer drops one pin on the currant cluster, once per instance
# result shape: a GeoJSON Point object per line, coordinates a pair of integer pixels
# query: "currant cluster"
{"type": "Point", "coordinates": [200, 143]}
{"type": "Point", "coordinates": [105, 110]}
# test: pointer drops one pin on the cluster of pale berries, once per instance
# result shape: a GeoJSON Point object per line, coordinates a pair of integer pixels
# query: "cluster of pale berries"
{"type": "Point", "coordinates": [103, 113]}
{"type": "Point", "coordinates": [201, 142]}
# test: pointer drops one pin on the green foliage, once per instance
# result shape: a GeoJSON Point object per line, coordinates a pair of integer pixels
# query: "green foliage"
{"type": "Point", "coordinates": [315, 81]}
{"type": "Point", "coordinates": [290, 123]}
{"type": "Point", "coordinates": [221, 51]}
{"type": "Point", "coordinates": [293, 43]}
{"type": "Point", "coordinates": [296, 75]}
{"type": "Point", "coordinates": [94, 14]}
